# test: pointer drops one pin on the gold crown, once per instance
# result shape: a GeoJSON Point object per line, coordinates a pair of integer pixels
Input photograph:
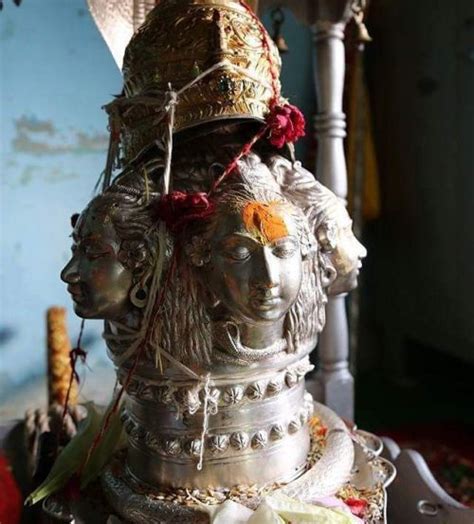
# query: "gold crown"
{"type": "Point", "coordinates": [182, 40]}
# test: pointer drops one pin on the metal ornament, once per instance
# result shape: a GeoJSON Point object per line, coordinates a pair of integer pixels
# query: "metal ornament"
{"type": "Point", "coordinates": [263, 256]}
{"type": "Point", "coordinates": [139, 295]}
{"type": "Point", "coordinates": [212, 352]}
{"type": "Point", "coordinates": [213, 49]}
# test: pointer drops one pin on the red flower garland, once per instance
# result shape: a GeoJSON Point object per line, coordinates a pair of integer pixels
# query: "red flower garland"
{"type": "Point", "coordinates": [177, 209]}
{"type": "Point", "coordinates": [286, 124]}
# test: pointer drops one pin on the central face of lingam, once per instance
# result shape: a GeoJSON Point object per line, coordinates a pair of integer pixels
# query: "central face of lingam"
{"type": "Point", "coordinates": [256, 261]}
{"type": "Point", "coordinates": [251, 261]}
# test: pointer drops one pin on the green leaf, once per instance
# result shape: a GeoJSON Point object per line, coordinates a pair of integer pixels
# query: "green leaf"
{"type": "Point", "coordinates": [113, 439]}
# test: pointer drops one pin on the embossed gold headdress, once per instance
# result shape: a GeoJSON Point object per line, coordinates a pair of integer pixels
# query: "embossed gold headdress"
{"type": "Point", "coordinates": [213, 53]}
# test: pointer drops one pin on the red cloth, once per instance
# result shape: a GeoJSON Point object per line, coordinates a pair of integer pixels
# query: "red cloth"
{"type": "Point", "coordinates": [11, 500]}
{"type": "Point", "coordinates": [178, 209]}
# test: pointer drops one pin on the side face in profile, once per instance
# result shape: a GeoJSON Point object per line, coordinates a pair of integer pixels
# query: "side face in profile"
{"type": "Point", "coordinates": [256, 261]}
{"type": "Point", "coordinates": [343, 250]}
{"type": "Point", "coordinates": [106, 272]}
{"type": "Point", "coordinates": [341, 253]}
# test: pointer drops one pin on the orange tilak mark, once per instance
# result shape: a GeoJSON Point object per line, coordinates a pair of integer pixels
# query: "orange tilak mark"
{"type": "Point", "coordinates": [263, 221]}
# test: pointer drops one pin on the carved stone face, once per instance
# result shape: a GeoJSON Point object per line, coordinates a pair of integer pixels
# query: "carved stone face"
{"type": "Point", "coordinates": [99, 283]}
{"type": "Point", "coordinates": [344, 251]}
{"type": "Point", "coordinates": [256, 262]}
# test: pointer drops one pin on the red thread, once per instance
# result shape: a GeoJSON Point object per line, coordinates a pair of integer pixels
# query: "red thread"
{"type": "Point", "coordinates": [74, 354]}
{"type": "Point", "coordinates": [285, 123]}
{"type": "Point", "coordinates": [153, 318]}
{"type": "Point", "coordinates": [243, 152]}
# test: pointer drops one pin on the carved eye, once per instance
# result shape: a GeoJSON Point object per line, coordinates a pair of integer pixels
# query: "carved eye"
{"type": "Point", "coordinates": [238, 253]}
{"type": "Point", "coordinates": [285, 249]}
{"type": "Point", "coordinates": [94, 252]}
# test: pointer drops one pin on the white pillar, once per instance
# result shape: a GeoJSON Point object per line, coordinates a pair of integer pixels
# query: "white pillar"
{"type": "Point", "coordinates": [334, 382]}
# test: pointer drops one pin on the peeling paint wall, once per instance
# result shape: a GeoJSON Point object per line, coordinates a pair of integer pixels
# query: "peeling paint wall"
{"type": "Point", "coordinates": [56, 73]}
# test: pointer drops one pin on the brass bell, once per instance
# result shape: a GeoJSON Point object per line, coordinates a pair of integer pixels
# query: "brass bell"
{"type": "Point", "coordinates": [281, 43]}
{"type": "Point", "coordinates": [363, 34]}
{"type": "Point", "coordinates": [278, 18]}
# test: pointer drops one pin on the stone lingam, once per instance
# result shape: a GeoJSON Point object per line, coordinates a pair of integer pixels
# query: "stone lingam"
{"type": "Point", "coordinates": [210, 257]}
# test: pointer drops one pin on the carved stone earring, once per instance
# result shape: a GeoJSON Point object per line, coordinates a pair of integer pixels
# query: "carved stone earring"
{"type": "Point", "coordinates": [139, 295]}
{"type": "Point", "coordinates": [328, 275]}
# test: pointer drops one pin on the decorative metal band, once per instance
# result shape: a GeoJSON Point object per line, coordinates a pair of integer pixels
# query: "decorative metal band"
{"type": "Point", "coordinates": [189, 399]}
{"type": "Point", "coordinates": [219, 444]}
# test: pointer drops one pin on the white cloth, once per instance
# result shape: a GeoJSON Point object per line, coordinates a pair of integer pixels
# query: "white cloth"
{"type": "Point", "coordinates": [278, 509]}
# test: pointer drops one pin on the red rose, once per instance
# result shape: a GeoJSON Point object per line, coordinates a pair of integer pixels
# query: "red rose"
{"type": "Point", "coordinates": [286, 124]}
{"type": "Point", "coordinates": [178, 209]}
{"type": "Point", "coordinates": [357, 506]}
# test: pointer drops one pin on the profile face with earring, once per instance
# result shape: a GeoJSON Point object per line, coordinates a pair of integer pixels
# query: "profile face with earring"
{"type": "Point", "coordinates": [340, 249]}
{"type": "Point", "coordinates": [107, 275]}
{"type": "Point", "coordinates": [340, 252]}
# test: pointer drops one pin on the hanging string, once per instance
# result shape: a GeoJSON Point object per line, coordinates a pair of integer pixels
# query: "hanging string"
{"type": "Point", "coordinates": [171, 106]}
{"type": "Point", "coordinates": [74, 355]}
{"type": "Point", "coordinates": [242, 153]}
{"type": "Point", "coordinates": [113, 150]}
{"type": "Point", "coordinates": [147, 185]}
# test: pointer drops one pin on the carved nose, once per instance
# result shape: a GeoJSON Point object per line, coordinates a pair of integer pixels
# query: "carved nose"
{"type": "Point", "coordinates": [362, 250]}
{"type": "Point", "coordinates": [69, 274]}
{"type": "Point", "coordinates": [267, 276]}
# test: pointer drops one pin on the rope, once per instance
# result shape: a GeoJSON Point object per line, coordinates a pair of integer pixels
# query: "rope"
{"type": "Point", "coordinates": [171, 107]}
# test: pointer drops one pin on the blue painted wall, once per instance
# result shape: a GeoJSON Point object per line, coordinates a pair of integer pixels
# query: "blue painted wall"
{"type": "Point", "coordinates": [56, 73]}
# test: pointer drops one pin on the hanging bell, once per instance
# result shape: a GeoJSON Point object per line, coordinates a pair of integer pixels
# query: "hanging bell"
{"type": "Point", "coordinates": [363, 34]}
{"type": "Point", "coordinates": [358, 14]}
{"type": "Point", "coordinates": [281, 43]}
{"type": "Point", "coordinates": [278, 18]}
